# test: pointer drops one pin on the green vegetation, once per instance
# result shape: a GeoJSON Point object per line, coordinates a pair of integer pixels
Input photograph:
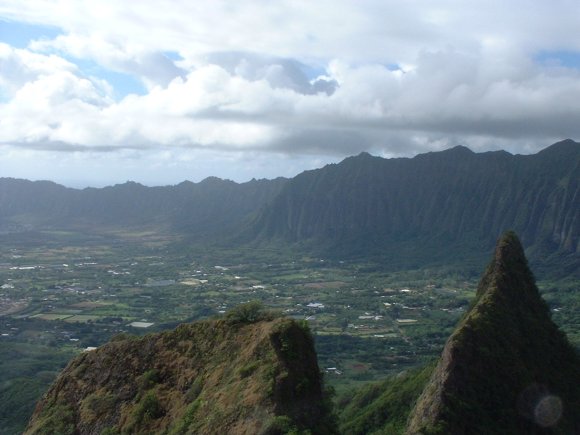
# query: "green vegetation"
{"type": "Point", "coordinates": [505, 357]}
{"type": "Point", "coordinates": [204, 377]}
{"type": "Point", "coordinates": [55, 419]}
{"type": "Point", "coordinates": [194, 390]}
{"type": "Point", "coordinates": [26, 371]}
{"type": "Point", "coordinates": [367, 321]}
{"type": "Point", "coordinates": [248, 369]}
{"type": "Point", "coordinates": [382, 407]}
{"type": "Point", "coordinates": [95, 405]}
{"type": "Point", "coordinates": [148, 380]}
{"type": "Point", "coordinates": [18, 397]}
{"type": "Point", "coordinates": [184, 423]}
{"type": "Point", "coordinates": [282, 425]}
{"type": "Point", "coordinates": [249, 312]}
{"type": "Point", "coordinates": [148, 409]}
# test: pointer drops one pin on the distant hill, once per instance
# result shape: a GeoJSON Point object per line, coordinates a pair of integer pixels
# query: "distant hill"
{"type": "Point", "coordinates": [437, 209]}
{"type": "Point", "coordinates": [506, 369]}
{"type": "Point", "coordinates": [439, 206]}
{"type": "Point", "coordinates": [201, 210]}
{"type": "Point", "coordinates": [239, 375]}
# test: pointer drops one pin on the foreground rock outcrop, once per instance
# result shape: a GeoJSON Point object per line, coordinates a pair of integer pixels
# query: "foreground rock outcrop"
{"type": "Point", "coordinates": [506, 369]}
{"type": "Point", "coordinates": [212, 377]}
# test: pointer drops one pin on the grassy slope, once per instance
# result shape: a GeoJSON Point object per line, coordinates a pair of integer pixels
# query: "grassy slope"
{"type": "Point", "coordinates": [505, 356]}
{"type": "Point", "coordinates": [382, 407]}
{"type": "Point", "coordinates": [221, 376]}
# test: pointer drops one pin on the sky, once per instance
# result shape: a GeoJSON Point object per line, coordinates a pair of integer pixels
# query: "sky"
{"type": "Point", "coordinates": [95, 93]}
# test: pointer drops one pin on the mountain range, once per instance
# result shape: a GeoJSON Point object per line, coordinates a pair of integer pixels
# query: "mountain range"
{"type": "Point", "coordinates": [435, 208]}
{"type": "Point", "coordinates": [436, 205]}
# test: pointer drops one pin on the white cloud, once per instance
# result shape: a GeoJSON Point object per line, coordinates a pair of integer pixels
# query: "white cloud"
{"type": "Point", "coordinates": [152, 67]}
{"type": "Point", "coordinates": [445, 93]}
{"type": "Point", "coordinates": [362, 31]}
{"type": "Point", "coordinates": [18, 67]}
{"type": "Point", "coordinates": [395, 78]}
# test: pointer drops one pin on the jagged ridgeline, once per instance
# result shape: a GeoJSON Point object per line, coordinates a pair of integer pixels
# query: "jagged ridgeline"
{"type": "Point", "coordinates": [440, 207]}
{"type": "Point", "coordinates": [506, 369]}
{"type": "Point", "coordinates": [437, 209]}
{"type": "Point", "coordinates": [246, 374]}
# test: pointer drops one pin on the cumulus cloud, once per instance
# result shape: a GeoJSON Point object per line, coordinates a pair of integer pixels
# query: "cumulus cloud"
{"type": "Point", "coordinates": [294, 78]}
{"type": "Point", "coordinates": [19, 67]}
{"type": "Point", "coordinates": [279, 73]}
{"type": "Point", "coordinates": [364, 31]}
{"type": "Point", "coordinates": [154, 68]}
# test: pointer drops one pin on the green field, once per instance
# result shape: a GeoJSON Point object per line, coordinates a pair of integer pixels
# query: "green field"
{"type": "Point", "coordinates": [49, 316]}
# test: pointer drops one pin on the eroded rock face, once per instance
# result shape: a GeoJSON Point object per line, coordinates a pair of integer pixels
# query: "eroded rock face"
{"type": "Point", "coordinates": [206, 378]}
{"type": "Point", "coordinates": [506, 369]}
{"type": "Point", "coordinates": [437, 205]}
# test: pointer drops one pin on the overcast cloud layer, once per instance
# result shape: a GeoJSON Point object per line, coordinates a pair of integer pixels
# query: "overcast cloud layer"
{"type": "Point", "coordinates": [101, 92]}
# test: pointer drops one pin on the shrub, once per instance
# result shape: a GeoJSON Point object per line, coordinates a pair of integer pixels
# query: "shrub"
{"type": "Point", "coordinates": [248, 369]}
{"type": "Point", "coordinates": [98, 404]}
{"type": "Point", "coordinates": [181, 426]}
{"type": "Point", "coordinates": [250, 312]}
{"type": "Point", "coordinates": [282, 425]}
{"type": "Point", "coordinates": [58, 419]}
{"type": "Point", "coordinates": [148, 409]}
{"type": "Point", "coordinates": [148, 379]}
{"type": "Point", "coordinates": [194, 390]}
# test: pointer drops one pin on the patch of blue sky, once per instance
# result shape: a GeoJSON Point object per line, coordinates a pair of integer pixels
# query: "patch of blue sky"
{"type": "Point", "coordinates": [19, 35]}
{"type": "Point", "coordinates": [173, 55]}
{"type": "Point", "coordinates": [566, 59]}
{"type": "Point", "coordinates": [123, 84]}
{"type": "Point", "coordinates": [3, 97]}
{"type": "Point", "coordinates": [312, 71]}
{"type": "Point", "coordinates": [393, 67]}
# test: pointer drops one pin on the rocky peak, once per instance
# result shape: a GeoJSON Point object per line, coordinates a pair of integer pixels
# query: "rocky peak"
{"type": "Point", "coordinates": [506, 368]}
{"type": "Point", "coordinates": [240, 375]}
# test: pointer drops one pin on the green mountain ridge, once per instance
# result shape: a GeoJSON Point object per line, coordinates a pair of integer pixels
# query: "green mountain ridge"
{"type": "Point", "coordinates": [442, 205]}
{"type": "Point", "coordinates": [507, 368]}
{"type": "Point", "coordinates": [200, 210]}
{"type": "Point", "coordinates": [383, 407]}
{"type": "Point", "coordinates": [437, 208]}
{"type": "Point", "coordinates": [240, 375]}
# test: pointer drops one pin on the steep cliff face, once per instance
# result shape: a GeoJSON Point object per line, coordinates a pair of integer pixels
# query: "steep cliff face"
{"type": "Point", "coordinates": [506, 368]}
{"type": "Point", "coordinates": [437, 206]}
{"type": "Point", "coordinates": [205, 378]}
{"type": "Point", "coordinates": [437, 201]}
